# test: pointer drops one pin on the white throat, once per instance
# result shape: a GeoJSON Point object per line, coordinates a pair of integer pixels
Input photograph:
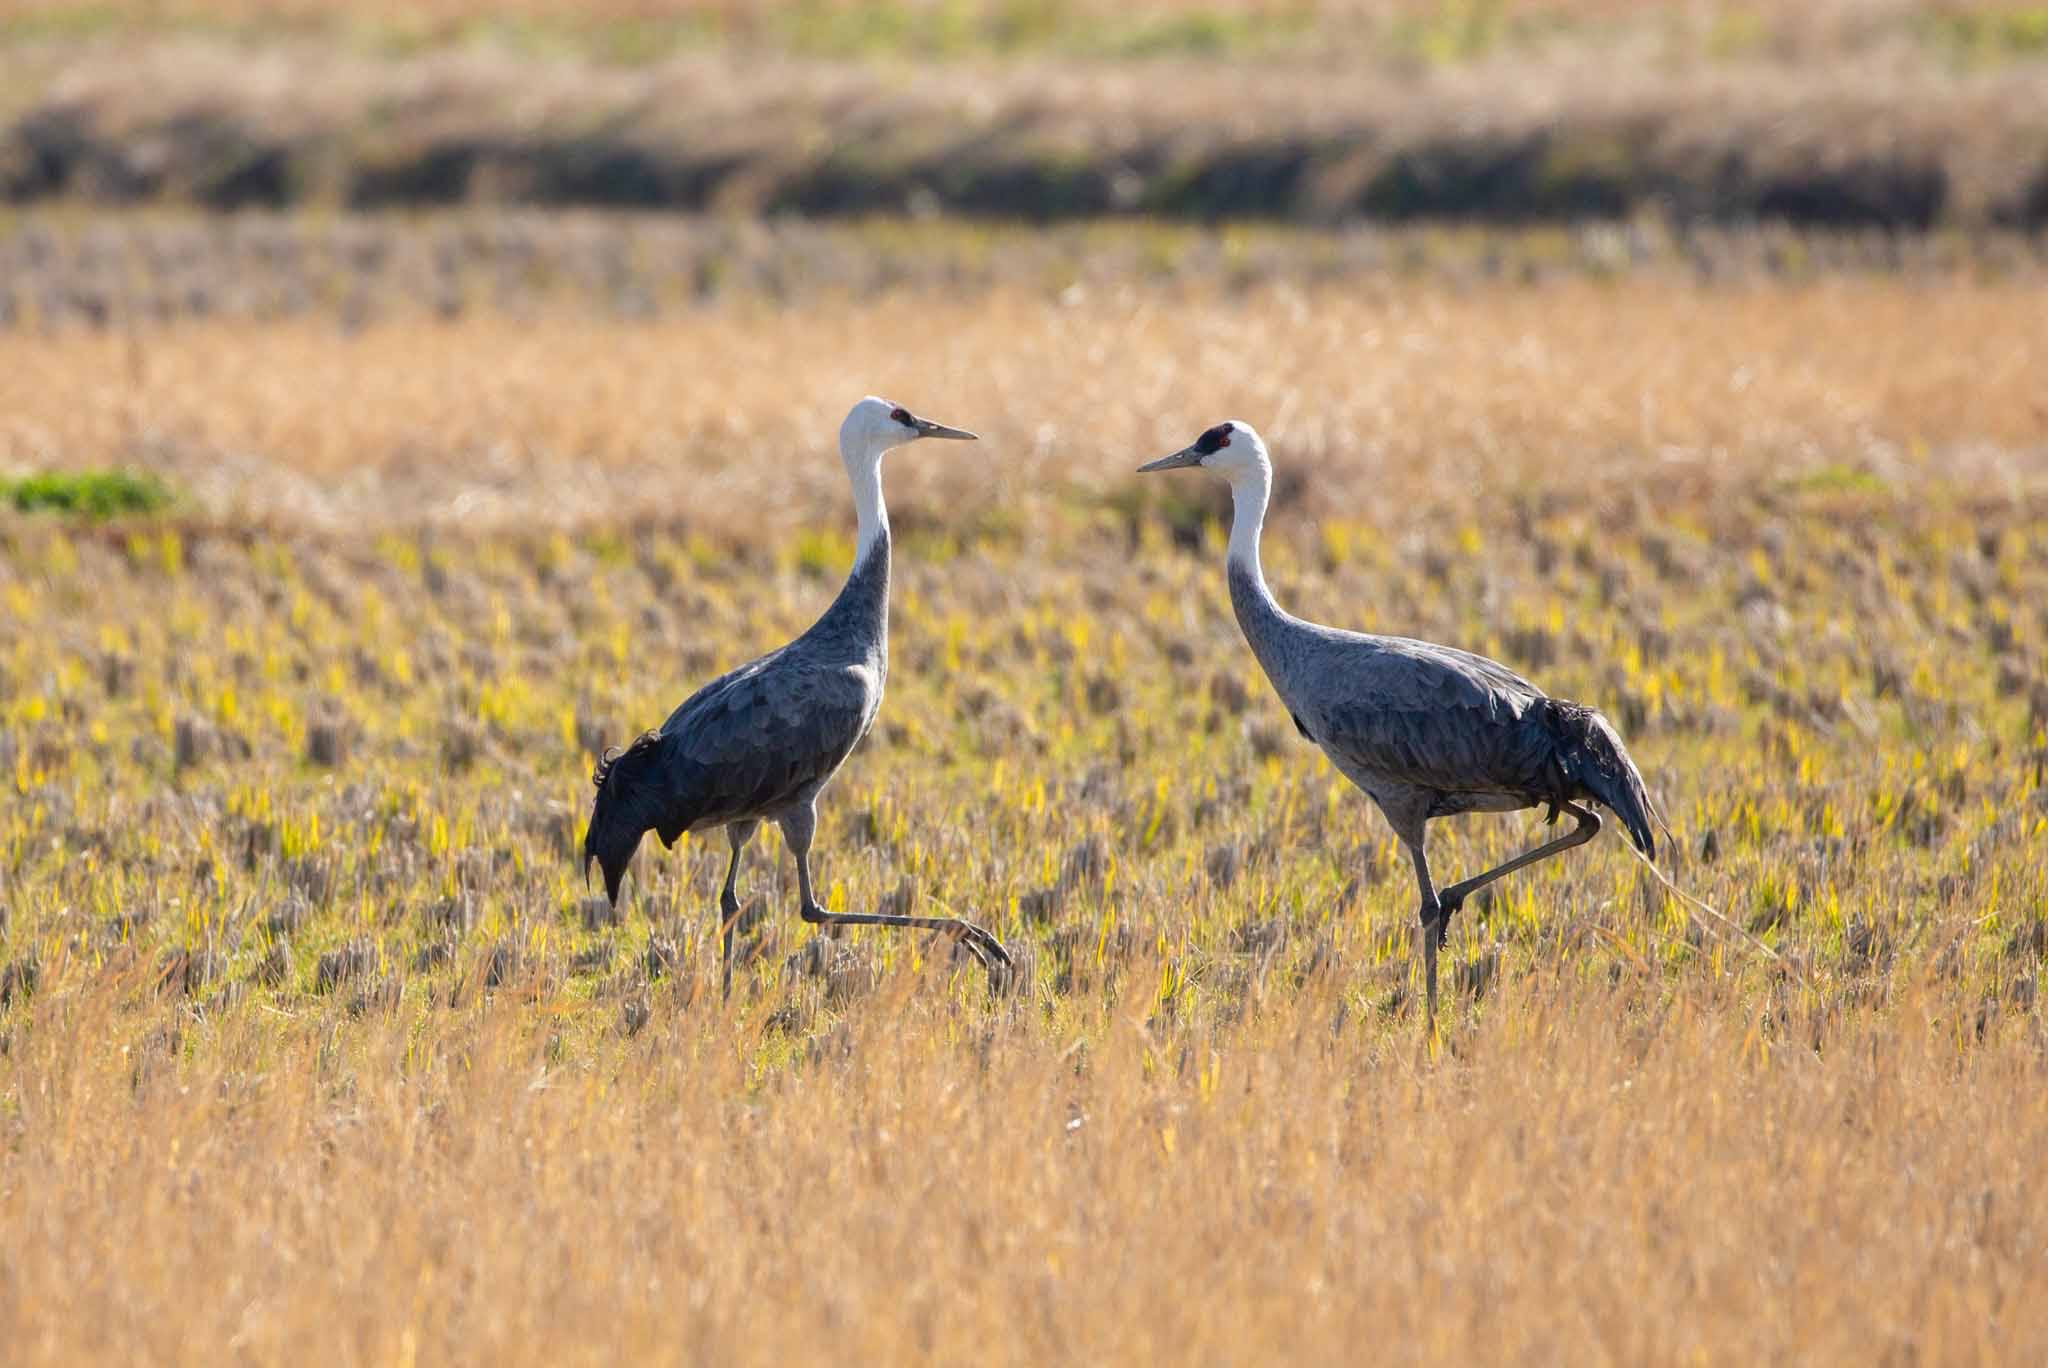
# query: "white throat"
{"type": "Point", "coordinates": [865, 475]}
{"type": "Point", "coordinates": [1249, 492]}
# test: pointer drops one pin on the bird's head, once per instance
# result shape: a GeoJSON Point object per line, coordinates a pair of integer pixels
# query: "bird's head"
{"type": "Point", "coordinates": [874, 425]}
{"type": "Point", "coordinates": [1233, 449]}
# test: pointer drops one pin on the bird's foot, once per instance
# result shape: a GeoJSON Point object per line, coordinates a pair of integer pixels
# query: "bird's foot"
{"type": "Point", "coordinates": [986, 949]}
{"type": "Point", "coordinates": [1441, 927]}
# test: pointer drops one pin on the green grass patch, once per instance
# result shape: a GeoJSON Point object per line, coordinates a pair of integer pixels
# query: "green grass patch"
{"type": "Point", "coordinates": [1836, 478]}
{"type": "Point", "coordinates": [87, 493]}
{"type": "Point", "coordinates": [1992, 36]}
{"type": "Point", "coordinates": [950, 29]}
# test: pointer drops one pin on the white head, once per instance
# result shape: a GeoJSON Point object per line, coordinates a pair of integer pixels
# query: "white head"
{"type": "Point", "coordinates": [874, 425]}
{"type": "Point", "coordinates": [1233, 450]}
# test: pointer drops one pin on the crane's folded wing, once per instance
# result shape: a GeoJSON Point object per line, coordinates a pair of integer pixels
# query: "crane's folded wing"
{"type": "Point", "coordinates": [762, 737]}
{"type": "Point", "coordinates": [1433, 717]}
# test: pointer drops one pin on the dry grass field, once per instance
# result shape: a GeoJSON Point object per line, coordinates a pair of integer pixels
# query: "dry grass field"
{"type": "Point", "coordinates": [1399, 367]}
{"type": "Point", "coordinates": [312, 1042]}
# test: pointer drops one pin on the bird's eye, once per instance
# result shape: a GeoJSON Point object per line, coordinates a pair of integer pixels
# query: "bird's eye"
{"type": "Point", "coordinates": [1214, 440]}
{"type": "Point", "coordinates": [901, 416]}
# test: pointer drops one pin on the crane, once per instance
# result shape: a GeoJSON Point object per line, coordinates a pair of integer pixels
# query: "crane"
{"type": "Point", "coordinates": [760, 742]}
{"type": "Point", "coordinates": [1425, 730]}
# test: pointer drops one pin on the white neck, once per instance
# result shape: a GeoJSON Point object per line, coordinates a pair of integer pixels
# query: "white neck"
{"type": "Point", "coordinates": [1249, 493]}
{"type": "Point", "coordinates": [866, 478]}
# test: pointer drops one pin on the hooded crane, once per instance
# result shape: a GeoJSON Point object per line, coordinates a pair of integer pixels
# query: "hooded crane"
{"type": "Point", "coordinates": [1426, 730]}
{"type": "Point", "coordinates": [760, 743]}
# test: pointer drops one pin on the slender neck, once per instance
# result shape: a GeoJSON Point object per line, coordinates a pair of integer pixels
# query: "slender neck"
{"type": "Point", "coordinates": [866, 477]}
{"type": "Point", "coordinates": [1249, 494]}
{"type": "Point", "coordinates": [1265, 624]}
{"type": "Point", "coordinates": [857, 623]}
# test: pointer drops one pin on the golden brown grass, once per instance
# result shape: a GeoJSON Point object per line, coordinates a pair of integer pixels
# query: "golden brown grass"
{"type": "Point", "coordinates": [1593, 1173]}
{"type": "Point", "coordinates": [310, 1043]}
{"type": "Point", "coordinates": [1387, 390]}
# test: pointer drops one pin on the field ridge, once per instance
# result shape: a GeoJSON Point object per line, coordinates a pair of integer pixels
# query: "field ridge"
{"type": "Point", "coordinates": [1537, 139]}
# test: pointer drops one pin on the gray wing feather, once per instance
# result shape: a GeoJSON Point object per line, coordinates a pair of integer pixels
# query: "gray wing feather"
{"type": "Point", "coordinates": [1431, 716]}
{"type": "Point", "coordinates": [1399, 671]}
{"type": "Point", "coordinates": [756, 740]}
{"type": "Point", "coordinates": [763, 734]}
{"type": "Point", "coordinates": [1431, 727]}
{"type": "Point", "coordinates": [1458, 750]}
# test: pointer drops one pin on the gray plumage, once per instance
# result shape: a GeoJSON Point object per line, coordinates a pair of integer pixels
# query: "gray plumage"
{"type": "Point", "coordinates": [1432, 731]}
{"type": "Point", "coordinates": [757, 740]}
{"type": "Point", "coordinates": [1425, 730]}
{"type": "Point", "coordinates": [761, 742]}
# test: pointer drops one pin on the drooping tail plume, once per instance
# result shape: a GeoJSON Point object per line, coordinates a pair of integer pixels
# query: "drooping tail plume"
{"type": "Point", "coordinates": [1593, 758]}
{"type": "Point", "coordinates": [628, 804]}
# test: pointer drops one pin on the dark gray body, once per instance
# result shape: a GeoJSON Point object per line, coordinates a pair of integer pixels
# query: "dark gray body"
{"type": "Point", "coordinates": [1426, 730]}
{"type": "Point", "coordinates": [769, 735]}
{"type": "Point", "coordinates": [757, 742]}
{"type": "Point", "coordinates": [1432, 731]}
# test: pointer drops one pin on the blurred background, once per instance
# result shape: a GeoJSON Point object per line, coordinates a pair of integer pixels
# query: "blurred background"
{"type": "Point", "coordinates": [1901, 114]}
{"type": "Point", "coordinates": [351, 163]}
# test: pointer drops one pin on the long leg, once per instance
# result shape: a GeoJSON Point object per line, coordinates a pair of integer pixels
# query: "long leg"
{"type": "Point", "coordinates": [797, 829]}
{"type": "Point", "coordinates": [738, 833]}
{"type": "Point", "coordinates": [1431, 915]}
{"type": "Point", "coordinates": [1454, 896]}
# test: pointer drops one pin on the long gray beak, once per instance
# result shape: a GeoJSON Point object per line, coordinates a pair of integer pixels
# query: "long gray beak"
{"type": "Point", "coordinates": [1186, 456]}
{"type": "Point", "coordinates": [926, 428]}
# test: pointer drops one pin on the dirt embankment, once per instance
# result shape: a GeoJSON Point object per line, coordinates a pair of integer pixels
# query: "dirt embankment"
{"type": "Point", "coordinates": [1904, 146]}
